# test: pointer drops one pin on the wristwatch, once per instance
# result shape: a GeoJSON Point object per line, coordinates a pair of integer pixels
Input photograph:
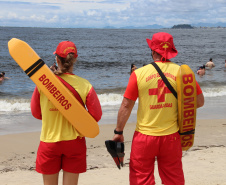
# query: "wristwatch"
{"type": "Point", "coordinates": [118, 132]}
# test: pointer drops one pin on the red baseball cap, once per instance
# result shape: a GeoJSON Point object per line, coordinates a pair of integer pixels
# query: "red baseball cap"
{"type": "Point", "coordinates": [163, 44]}
{"type": "Point", "coordinates": [64, 48]}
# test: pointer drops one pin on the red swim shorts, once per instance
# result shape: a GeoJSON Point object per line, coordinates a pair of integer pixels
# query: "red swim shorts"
{"type": "Point", "coordinates": [168, 153]}
{"type": "Point", "coordinates": [67, 155]}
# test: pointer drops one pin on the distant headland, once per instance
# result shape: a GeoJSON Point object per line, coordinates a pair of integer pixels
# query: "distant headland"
{"type": "Point", "coordinates": [183, 26]}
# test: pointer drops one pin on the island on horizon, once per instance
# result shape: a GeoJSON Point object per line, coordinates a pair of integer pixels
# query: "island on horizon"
{"type": "Point", "coordinates": [183, 26]}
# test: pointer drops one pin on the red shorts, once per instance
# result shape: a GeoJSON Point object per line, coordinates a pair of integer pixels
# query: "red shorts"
{"type": "Point", "coordinates": [146, 149]}
{"type": "Point", "coordinates": [67, 155]}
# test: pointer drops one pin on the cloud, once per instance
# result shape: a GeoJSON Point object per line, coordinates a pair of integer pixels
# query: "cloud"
{"type": "Point", "coordinates": [118, 13]}
{"type": "Point", "coordinates": [20, 13]}
{"type": "Point", "coordinates": [112, 2]}
{"type": "Point", "coordinates": [170, 12]}
{"type": "Point", "coordinates": [27, 5]}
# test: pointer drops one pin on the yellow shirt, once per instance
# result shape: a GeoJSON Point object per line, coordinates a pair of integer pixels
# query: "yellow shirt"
{"type": "Point", "coordinates": [157, 107]}
{"type": "Point", "coordinates": [55, 127]}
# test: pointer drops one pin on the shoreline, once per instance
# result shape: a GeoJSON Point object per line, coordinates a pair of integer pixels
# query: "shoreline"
{"type": "Point", "coordinates": [203, 164]}
{"type": "Point", "coordinates": [20, 122]}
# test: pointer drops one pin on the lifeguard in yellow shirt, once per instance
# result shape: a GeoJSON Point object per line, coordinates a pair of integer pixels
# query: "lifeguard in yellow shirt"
{"type": "Point", "coordinates": [61, 145]}
{"type": "Point", "coordinates": [156, 135]}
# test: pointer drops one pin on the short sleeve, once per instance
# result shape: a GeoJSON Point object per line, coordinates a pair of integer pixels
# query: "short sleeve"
{"type": "Point", "coordinates": [198, 88]}
{"type": "Point", "coordinates": [35, 104]}
{"type": "Point", "coordinates": [132, 89]}
{"type": "Point", "coordinates": [93, 104]}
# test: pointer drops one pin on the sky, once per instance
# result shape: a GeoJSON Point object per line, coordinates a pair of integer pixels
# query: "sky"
{"type": "Point", "coordinates": [115, 13]}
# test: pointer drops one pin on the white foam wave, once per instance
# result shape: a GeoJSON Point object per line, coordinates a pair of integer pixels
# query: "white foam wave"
{"type": "Point", "coordinates": [214, 91]}
{"type": "Point", "coordinates": [7, 105]}
{"type": "Point", "coordinates": [110, 99]}
{"type": "Point", "coordinates": [14, 105]}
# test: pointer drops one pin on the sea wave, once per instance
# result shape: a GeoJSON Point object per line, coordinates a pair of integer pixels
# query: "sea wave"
{"type": "Point", "coordinates": [110, 99]}
{"type": "Point", "coordinates": [7, 105]}
{"type": "Point", "coordinates": [214, 91]}
{"type": "Point", "coordinates": [106, 99]}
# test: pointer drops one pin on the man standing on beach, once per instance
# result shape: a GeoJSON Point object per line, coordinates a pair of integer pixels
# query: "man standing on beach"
{"type": "Point", "coordinates": [156, 135]}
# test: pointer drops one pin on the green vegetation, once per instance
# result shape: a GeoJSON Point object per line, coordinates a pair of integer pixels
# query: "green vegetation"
{"type": "Point", "coordinates": [182, 26]}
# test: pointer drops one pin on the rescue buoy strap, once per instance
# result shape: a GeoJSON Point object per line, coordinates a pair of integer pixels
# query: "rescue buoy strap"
{"type": "Point", "coordinates": [188, 132]}
{"type": "Point", "coordinates": [72, 89]}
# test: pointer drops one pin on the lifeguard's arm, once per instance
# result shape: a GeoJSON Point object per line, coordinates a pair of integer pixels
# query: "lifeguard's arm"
{"type": "Point", "coordinates": [127, 105]}
{"type": "Point", "coordinates": [93, 105]}
{"type": "Point", "coordinates": [123, 116]}
{"type": "Point", "coordinates": [200, 97]}
{"type": "Point", "coordinates": [35, 104]}
{"type": "Point", "coordinates": [200, 100]}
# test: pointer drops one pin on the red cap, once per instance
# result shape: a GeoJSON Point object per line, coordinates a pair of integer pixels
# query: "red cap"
{"type": "Point", "coordinates": [162, 43]}
{"type": "Point", "coordinates": [64, 48]}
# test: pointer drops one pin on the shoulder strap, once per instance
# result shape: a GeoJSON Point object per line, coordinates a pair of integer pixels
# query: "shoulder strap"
{"type": "Point", "coordinates": [72, 89]}
{"type": "Point", "coordinates": [165, 79]}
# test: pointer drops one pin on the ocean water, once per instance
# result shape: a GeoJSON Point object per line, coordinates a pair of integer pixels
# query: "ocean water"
{"type": "Point", "coordinates": [104, 58]}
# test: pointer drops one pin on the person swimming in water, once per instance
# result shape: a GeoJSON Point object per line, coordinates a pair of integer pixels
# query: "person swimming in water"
{"type": "Point", "coordinates": [210, 64]}
{"type": "Point", "coordinates": [3, 76]}
{"type": "Point", "coordinates": [201, 70]}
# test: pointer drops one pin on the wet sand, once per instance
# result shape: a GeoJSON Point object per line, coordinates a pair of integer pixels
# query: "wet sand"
{"type": "Point", "coordinates": [203, 164]}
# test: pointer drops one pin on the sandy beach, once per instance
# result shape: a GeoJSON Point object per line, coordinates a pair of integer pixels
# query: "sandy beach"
{"type": "Point", "coordinates": [105, 57]}
{"type": "Point", "coordinates": [204, 163]}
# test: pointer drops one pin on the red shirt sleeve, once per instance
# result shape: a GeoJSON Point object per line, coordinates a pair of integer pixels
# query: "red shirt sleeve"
{"type": "Point", "coordinates": [132, 89]}
{"type": "Point", "coordinates": [93, 105]}
{"type": "Point", "coordinates": [199, 90]}
{"type": "Point", "coordinates": [35, 104]}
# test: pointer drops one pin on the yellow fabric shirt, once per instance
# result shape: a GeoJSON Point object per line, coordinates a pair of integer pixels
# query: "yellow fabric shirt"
{"type": "Point", "coordinates": [55, 127]}
{"type": "Point", "coordinates": [157, 107]}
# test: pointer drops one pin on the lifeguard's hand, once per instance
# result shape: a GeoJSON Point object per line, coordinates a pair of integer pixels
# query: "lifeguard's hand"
{"type": "Point", "coordinates": [118, 138]}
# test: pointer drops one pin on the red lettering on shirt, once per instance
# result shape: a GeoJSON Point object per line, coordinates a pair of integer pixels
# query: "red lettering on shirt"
{"type": "Point", "coordinates": [160, 91]}
{"type": "Point", "coordinates": [160, 106]}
